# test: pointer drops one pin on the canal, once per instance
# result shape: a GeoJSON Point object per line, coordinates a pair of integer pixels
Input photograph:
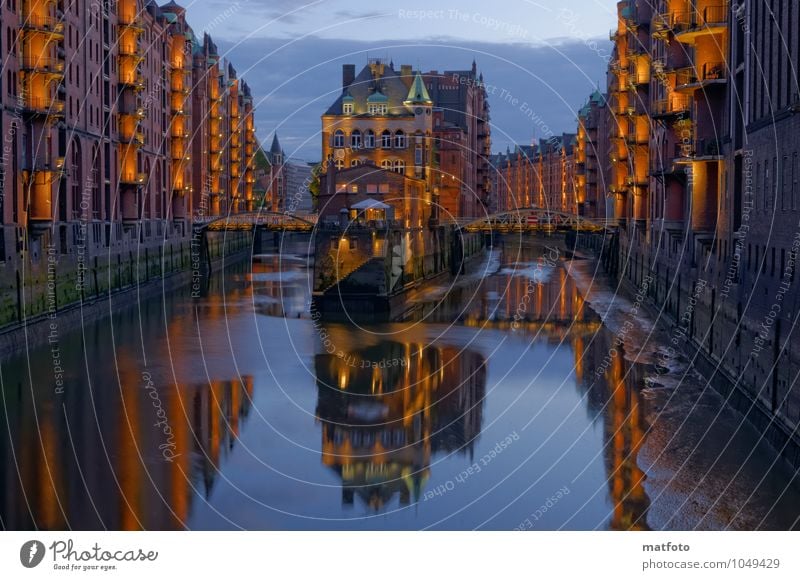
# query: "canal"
{"type": "Point", "coordinates": [524, 394]}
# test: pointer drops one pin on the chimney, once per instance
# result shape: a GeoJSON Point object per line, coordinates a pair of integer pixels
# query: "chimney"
{"type": "Point", "coordinates": [406, 75]}
{"type": "Point", "coordinates": [348, 75]}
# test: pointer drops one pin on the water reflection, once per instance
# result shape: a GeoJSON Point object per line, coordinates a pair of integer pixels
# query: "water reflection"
{"type": "Point", "coordinates": [388, 409]}
{"type": "Point", "coordinates": [128, 458]}
{"type": "Point", "coordinates": [232, 411]}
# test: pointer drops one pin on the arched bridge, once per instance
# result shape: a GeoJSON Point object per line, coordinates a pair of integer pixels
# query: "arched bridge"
{"type": "Point", "coordinates": [534, 219]}
{"type": "Point", "coordinates": [275, 221]}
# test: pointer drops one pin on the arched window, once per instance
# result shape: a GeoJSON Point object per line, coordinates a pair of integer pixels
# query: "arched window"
{"type": "Point", "coordinates": [338, 138]}
{"type": "Point", "coordinates": [386, 139]}
{"type": "Point", "coordinates": [386, 164]}
{"type": "Point", "coordinates": [400, 167]}
{"type": "Point", "coordinates": [339, 163]}
{"type": "Point", "coordinates": [369, 139]}
{"type": "Point", "coordinates": [355, 139]}
{"type": "Point", "coordinates": [400, 140]}
{"type": "Point", "coordinates": [354, 163]}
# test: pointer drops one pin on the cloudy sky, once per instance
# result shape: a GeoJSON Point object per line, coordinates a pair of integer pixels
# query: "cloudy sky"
{"type": "Point", "coordinates": [540, 59]}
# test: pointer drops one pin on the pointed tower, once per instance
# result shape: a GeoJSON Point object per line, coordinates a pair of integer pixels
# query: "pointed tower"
{"type": "Point", "coordinates": [418, 93]}
{"type": "Point", "coordinates": [275, 151]}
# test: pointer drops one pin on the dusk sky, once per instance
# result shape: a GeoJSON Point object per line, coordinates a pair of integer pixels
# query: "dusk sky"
{"type": "Point", "coordinates": [540, 60]}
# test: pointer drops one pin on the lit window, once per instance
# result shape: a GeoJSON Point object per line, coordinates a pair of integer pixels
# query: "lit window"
{"type": "Point", "coordinates": [372, 188]}
{"type": "Point", "coordinates": [354, 188]}
{"type": "Point", "coordinates": [400, 140]}
{"type": "Point", "coordinates": [355, 139]}
{"type": "Point", "coordinates": [386, 139]}
{"type": "Point", "coordinates": [339, 163]}
{"type": "Point", "coordinates": [369, 139]}
{"type": "Point", "coordinates": [384, 188]}
{"type": "Point", "coordinates": [348, 108]}
{"type": "Point", "coordinates": [386, 164]}
{"type": "Point", "coordinates": [338, 138]}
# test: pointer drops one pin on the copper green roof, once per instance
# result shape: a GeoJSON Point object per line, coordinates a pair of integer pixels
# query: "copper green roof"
{"type": "Point", "coordinates": [418, 94]}
{"type": "Point", "coordinates": [377, 97]}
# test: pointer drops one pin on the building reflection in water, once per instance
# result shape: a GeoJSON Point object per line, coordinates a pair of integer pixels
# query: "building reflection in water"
{"type": "Point", "coordinates": [544, 303]}
{"type": "Point", "coordinates": [100, 459]}
{"type": "Point", "coordinates": [381, 427]}
{"type": "Point", "coordinates": [279, 285]}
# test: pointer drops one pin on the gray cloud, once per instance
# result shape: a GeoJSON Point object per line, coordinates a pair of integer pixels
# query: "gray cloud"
{"type": "Point", "coordinates": [533, 89]}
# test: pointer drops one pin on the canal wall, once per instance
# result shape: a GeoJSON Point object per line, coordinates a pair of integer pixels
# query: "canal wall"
{"type": "Point", "coordinates": [734, 327]}
{"type": "Point", "coordinates": [367, 271]}
{"type": "Point", "coordinates": [45, 284]}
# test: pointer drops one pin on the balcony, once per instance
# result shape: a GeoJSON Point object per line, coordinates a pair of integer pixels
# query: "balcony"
{"type": "Point", "coordinates": [49, 66]}
{"type": "Point", "coordinates": [675, 106]}
{"type": "Point", "coordinates": [634, 139]}
{"type": "Point", "coordinates": [708, 150]}
{"type": "Point", "coordinates": [134, 81]}
{"type": "Point", "coordinates": [48, 106]}
{"type": "Point", "coordinates": [179, 150]}
{"type": "Point", "coordinates": [132, 178]}
{"type": "Point", "coordinates": [179, 82]}
{"type": "Point", "coordinates": [696, 23]}
{"type": "Point", "coordinates": [131, 50]}
{"type": "Point", "coordinates": [131, 137]}
{"type": "Point", "coordinates": [711, 73]}
{"type": "Point", "coordinates": [52, 28]}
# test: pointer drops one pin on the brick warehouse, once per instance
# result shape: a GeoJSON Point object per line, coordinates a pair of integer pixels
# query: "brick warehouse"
{"type": "Point", "coordinates": [694, 152]}
{"type": "Point", "coordinates": [120, 126]}
{"type": "Point", "coordinates": [715, 215]}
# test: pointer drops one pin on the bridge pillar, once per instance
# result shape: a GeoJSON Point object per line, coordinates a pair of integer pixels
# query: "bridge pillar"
{"type": "Point", "coordinates": [456, 253]}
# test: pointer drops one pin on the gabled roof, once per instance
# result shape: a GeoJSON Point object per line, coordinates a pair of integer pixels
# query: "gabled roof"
{"type": "Point", "coordinates": [390, 85]}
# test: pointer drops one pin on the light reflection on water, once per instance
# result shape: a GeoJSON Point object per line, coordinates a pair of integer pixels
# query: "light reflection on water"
{"type": "Point", "coordinates": [495, 406]}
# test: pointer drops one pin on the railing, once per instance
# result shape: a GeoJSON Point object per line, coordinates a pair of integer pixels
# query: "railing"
{"type": "Point", "coordinates": [50, 65]}
{"type": "Point", "coordinates": [134, 137]}
{"type": "Point", "coordinates": [132, 178]}
{"type": "Point", "coordinates": [135, 80]}
{"type": "Point", "coordinates": [42, 24]}
{"type": "Point", "coordinates": [711, 71]}
{"type": "Point", "coordinates": [45, 105]}
{"type": "Point", "coordinates": [675, 105]}
{"type": "Point", "coordinates": [689, 21]}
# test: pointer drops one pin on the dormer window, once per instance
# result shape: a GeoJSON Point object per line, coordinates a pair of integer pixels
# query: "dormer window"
{"type": "Point", "coordinates": [378, 109]}
{"type": "Point", "coordinates": [347, 108]}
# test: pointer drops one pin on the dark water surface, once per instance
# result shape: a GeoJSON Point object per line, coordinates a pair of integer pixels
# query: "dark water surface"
{"type": "Point", "coordinates": [498, 405]}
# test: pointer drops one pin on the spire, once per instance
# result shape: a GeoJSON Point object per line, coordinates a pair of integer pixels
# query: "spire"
{"type": "Point", "coordinates": [418, 94]}
{"type": "Point", "coordinates": [276, 147]}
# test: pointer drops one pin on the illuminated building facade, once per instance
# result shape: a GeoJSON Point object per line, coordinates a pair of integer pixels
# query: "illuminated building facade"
{"type": "Point", "coordinates": [703, 122]}
{"type": "Point", "coordinates": [543, 175]}
{"type": "Point", "coordinates": [105, 112]}
{"type": "Point", "coordinates": [386, 118]}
